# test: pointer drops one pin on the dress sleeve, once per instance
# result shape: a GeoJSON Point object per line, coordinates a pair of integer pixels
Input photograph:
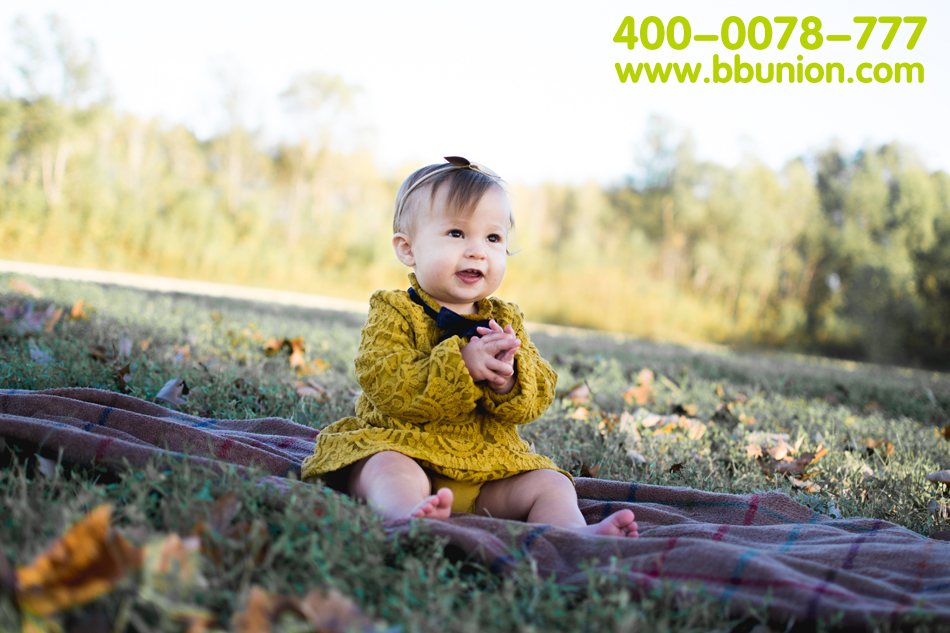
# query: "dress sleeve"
{"type": "Point", "coordinates": [535, 383]}
{"type": "Point", "coordinates": [405, 383]}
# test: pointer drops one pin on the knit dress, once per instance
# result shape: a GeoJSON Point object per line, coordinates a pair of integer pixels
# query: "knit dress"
{"type": "Point", "coordinates": [419, 400]}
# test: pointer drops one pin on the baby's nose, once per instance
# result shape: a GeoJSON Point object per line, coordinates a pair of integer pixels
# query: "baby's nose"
{"type": "Point", "coordinates": [475, 249]}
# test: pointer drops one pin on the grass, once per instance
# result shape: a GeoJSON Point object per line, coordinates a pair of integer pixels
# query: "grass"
{"type": "Point", "coordinates": [316, 538]}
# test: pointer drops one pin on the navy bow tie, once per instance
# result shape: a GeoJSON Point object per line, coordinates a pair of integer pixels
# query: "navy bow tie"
{"type": "Point", "coordinates": [453, 323]}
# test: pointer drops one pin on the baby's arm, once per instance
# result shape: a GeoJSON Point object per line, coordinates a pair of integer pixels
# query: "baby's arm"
{"type": "Point", "coordinates": [533, 380]}
{"type": "Point", "coordinates": [404, 382]}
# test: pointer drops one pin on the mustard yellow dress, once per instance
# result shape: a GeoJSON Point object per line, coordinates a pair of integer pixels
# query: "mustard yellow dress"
{"type": "Point", "coordinates": [419, 400]}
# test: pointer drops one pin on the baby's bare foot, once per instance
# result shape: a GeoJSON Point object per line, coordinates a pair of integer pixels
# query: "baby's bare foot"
{"type": "Point", "coordinates": [437, 506]}
{"type": "Point", "coordinates": [617, 524]}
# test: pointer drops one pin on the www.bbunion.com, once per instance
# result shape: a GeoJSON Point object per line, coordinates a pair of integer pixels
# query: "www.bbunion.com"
{"type": "Point", "coordinates": [738, 71]}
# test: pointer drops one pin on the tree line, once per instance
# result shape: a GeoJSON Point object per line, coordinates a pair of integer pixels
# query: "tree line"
{"type": "Point", "coordinates": [846, 254]}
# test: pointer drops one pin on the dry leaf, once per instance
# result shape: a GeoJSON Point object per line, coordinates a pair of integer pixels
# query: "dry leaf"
{"type": "Point", "coordinates": [332, 611]}
{"type": "Point", "coordinates": [215, 316]}
{"type": "Point", "coordinates": [144, 344]}
{"type": "Point", "coordinates": [122, 377]}
{"type": "Point", "coordinates": [580, 414]}
{"type": "Point", "coordinates": [311, 389]}
{"type": "Point", "coordinates": [886, 448]}
{"type": "Point", "coordinates": [780, 450]}
{"type": "Point", "coordinates": [688, 410]}
{"type": "Point", "coordinates": [182, 353]}
{"type": "Point", "coordinates": [645, 376]}
{"type": "Point", "coordinates": [753, 450]}
{"type": "Point", "coordinates": [78, 311]}
{"type": "Point", "coordinates": [636, 457]}
{"type": "Point", "coordinates": [84, 563]}
{"type": "Point", "coordinates": [579, 394]}
{"type": "Point", "coordinates": [676, 468]}
{"type": "Point", "coordinates": [590, 471]}
{"type": "Point", "coordinates": [329, 612]}
{"type": "Point", "coordinates": [53, 319]}
{"type": "Point", "coordinates": [807, 486]}
{"type": "Point", "coordinates": [174, 393]}
{"type": "Point", "coordinates": [21, 286]}
{"type": "Point", "coordinates": [296, 353]}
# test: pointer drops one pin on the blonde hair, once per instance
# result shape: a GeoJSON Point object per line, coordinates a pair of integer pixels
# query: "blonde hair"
{"type": "Point", "coordinates": [466, 188]}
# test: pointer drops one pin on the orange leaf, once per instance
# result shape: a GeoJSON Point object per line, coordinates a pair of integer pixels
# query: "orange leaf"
{"type": "Point", "coordinates": [579, 394]}
{"type": "Point", "coordinates": [53, 319]}
{"type": "Point", "coordinates": [78, 312]}
{"type": "Point", "coordinates": [21, 286]}
{"type": "Point", "coordinates": [84, 563]}
{"type": "Point", "coordinates": [590, 471]}
{"type": "Point", "coordinates": [274, 345]}
{"type": "Point", "coordinates": [296, 352]}
{"type": "Point", "coordinates": [580, 414]}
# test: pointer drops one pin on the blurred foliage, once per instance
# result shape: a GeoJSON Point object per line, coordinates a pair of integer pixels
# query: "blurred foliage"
{"type": "Point", "coordinates": [845, 255]}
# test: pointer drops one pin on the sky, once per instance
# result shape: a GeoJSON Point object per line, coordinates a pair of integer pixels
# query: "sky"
{"type": "Point", "coordinates": [528, 88]}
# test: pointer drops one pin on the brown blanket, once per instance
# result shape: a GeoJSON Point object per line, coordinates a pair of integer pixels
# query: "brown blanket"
{"type": "Point", "coordinates": [763, 552]}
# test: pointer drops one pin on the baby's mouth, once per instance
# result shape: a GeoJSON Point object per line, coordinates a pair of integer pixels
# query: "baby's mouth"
{"type": "Point", "coordinates": [469, 275]}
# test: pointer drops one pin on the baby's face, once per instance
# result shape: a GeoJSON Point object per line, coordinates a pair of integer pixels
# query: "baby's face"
{"type": "Point", "coordinates": [459, 260]}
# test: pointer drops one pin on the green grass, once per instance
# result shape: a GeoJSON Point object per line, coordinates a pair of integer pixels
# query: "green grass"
{"type": "Point", "coordinates": [316, 538]}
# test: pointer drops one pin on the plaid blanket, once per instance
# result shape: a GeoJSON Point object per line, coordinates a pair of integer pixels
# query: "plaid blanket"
{"type": "Point", "coordinates": [762, 553]}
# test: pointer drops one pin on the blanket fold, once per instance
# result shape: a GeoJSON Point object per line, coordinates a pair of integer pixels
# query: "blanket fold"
{"type": "Point", "coordinates": [762, 552]}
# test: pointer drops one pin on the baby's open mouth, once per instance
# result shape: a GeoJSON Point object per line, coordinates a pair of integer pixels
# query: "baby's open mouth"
{"type": "Point", "coordinates": [469, 275]}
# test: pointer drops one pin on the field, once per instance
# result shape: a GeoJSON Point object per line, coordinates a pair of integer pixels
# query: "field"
{"type": "Point", "coordinates": [852, 440]}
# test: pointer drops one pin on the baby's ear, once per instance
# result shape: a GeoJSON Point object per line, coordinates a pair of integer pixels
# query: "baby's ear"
{"type": "Point", "coordinates": [403, 249]}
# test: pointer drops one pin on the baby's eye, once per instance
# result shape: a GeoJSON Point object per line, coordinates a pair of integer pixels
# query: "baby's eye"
{"type": "Point", "coordinates": [454, 233]}
{"type": "Point", "coordinates": [495, 238]}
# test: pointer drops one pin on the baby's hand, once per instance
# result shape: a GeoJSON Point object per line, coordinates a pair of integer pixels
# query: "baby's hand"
{"type": "Point", "coordinates": [493, 327]}
{"type": "Point", "coordinates": [484, 358]}
{"type": "Point", "coordinates": [501, 344]}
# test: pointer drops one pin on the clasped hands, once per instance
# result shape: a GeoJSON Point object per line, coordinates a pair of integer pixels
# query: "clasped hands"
{"type": "Point", "coordinates": [490, 356]}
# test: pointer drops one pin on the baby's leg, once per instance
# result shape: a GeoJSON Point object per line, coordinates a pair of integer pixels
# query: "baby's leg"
{"type": "Point", "coordinates": [546, 496]}
{"type": "Point", "coordinates": [397, 487]}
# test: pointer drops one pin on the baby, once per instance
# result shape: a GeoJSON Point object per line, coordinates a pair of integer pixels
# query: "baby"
{"type": "Point", "coordinates": [448, 373]}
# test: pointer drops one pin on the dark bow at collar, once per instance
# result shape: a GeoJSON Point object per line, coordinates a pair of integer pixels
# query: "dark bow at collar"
{"type": "Point", "coordinates": [453, 323]}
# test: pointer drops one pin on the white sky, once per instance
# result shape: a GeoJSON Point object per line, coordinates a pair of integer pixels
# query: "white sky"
{"type": "Point", "coordinates": [528, 88]}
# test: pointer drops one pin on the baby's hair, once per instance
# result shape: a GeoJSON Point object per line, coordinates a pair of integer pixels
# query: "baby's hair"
{"type": "Point", "coordinates": [467, 185]}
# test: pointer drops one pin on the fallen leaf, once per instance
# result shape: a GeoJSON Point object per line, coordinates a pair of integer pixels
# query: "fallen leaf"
{"type": "Point", "coordinates": [274, 345]}
{"type": "Point", "coordinates": [645, 377]}
{"type": "Point", "coordinates": [873, 407]}
{"type": "Point", "coordinates": [329, 612]}
{"type": "Point", "coordinates": [807, 486]}
{"type": "Point", "coordinates": [78, 312]}
{"type": "Point", "coordinates": [21, 286]}
{"type": "Point", "coordinates": [579, 394]}
{"type": "Point", "coordinates": [144, 344]}
{"type": "Point", "coordinates": [215, 316]}
{"type": "Point", "coordinates": [182, 353]}
{"type": "Point", "coordinates": [580, 414]}
{"type": "Point", "coordinates": [122, 377]}
{"type": "Point", "coordinates": [780, 450]}
{"type": "Point", "coordinates": [53, 319]}
{"type": "Point", "coordinates": [174, 393]}
{"type": "Point", "coordinates": [311, 389]}
{"type": "Point", "coordinates": [688, 410]}
{"type": "Point", "coordinates": [296, 353]}
{"type": "Point", "coordinates": [636, 457]}
{"type": "Point", "coordinates": [886, 448]}
{"type": "Point", "coordinates": [332, 611]}
{"type": "Point", "coordinates": [753, 450]}
{"type": "Point", "coordinates": [590, 471]}
{"type": "Point", "coordinates": [84, 563]}
{"type": "Point", "coordinates": [676, 468]}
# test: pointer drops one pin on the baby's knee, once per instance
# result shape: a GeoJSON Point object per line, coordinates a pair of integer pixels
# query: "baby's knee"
{"type": "Point", "coordinates": [546, 479]}
{"type": "Point", "coordinates": [390, 465]}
